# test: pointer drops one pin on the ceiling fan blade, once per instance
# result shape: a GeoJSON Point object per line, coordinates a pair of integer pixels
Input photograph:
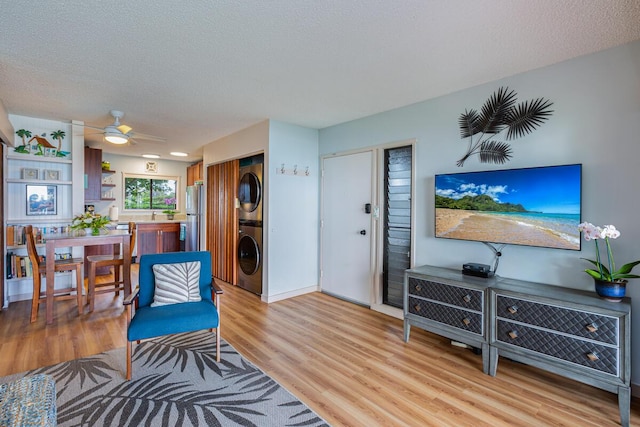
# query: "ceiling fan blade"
{"type": "Point", "coordinates": [93, 127]}
{"type": "Point", "coordinates": [124, 128]}
{"type": "Point", "coordinates": [147, 137]}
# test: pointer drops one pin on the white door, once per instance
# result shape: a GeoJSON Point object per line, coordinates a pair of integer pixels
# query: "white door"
{"type": "Point", "coordinates": [346, 227]}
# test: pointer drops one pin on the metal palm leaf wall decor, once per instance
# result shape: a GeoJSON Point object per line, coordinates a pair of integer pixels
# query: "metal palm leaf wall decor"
{"type": "Point", "coordinates": [498, 114]}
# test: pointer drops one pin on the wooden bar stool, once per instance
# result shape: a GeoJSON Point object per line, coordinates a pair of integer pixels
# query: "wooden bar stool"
{"type": "Point", "coordinates": [39, 270]}
{"type": "Point", "coordinates": [115, 261]}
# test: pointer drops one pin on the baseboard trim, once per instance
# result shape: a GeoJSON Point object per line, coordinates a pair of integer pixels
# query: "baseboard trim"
{"type": "Point", "coordinates": [286, 295]}
{"type": "Point", "coordinates": [388, 310]}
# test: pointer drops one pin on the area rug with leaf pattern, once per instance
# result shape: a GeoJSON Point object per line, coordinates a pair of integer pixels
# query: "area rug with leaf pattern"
{"type": "Point", "coordinates": [176, 382]}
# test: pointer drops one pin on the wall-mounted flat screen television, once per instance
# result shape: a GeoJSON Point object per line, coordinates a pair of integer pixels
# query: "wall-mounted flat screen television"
{"type": "Point", "coordinates": [537, 206]}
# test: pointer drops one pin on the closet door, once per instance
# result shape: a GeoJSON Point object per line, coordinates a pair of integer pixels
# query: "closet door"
{"type": "Point", "coordinates": [222, 219]}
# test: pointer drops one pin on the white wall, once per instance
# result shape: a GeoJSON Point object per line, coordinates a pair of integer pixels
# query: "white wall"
{"type": "Point", "coordinates": [596, 122]}
{"type": "Point", "coordinates": [292, 227]}
{"type": "Point", "coordinates": [254, 139]}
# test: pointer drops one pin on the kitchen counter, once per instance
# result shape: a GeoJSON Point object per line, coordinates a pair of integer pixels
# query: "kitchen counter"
{"type": "Point", "coordinates": [156, 221]}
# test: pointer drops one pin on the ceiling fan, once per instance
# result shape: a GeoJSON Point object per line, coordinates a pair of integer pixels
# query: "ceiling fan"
{"type": "Point", "coordinates": [117, 133]}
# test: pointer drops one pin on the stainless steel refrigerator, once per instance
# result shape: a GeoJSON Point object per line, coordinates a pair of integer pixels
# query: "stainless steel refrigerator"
{"type": "Point", "coordinates": [195, 217]}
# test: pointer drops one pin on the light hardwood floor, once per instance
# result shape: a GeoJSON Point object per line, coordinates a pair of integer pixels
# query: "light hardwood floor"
{"type": "Point", "coordinates": [348, 363]}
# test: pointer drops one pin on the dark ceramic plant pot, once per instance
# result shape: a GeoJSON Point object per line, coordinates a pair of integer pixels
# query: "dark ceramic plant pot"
{"type": "Point", "coordinates": [611, 291]}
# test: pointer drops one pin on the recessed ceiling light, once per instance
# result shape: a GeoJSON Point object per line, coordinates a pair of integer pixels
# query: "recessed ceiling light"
{"type": "Point", "coordinates": [178, 154]}
{"type": "Point", "coordinates": [151, 156]}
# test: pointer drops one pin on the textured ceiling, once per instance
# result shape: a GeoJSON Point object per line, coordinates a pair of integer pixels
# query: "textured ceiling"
{"type": "Point", "coordinates": [193, 72]}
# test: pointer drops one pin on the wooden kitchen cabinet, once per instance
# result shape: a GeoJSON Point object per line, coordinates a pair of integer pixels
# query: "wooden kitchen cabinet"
{"type": "Point", "coordinates": [154, 238]}
{"type": "Point", "coordinates": [95, 187]}
{"type": "Point", "coordinates": [93, 174]}
{"type": "Point", "coordinates": [194, 173]}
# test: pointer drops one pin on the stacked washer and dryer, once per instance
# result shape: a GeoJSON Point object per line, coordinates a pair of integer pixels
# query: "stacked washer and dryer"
{"type": "Point", "coordinates": [250, 224]}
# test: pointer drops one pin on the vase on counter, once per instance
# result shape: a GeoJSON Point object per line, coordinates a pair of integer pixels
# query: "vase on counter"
{"type": "Point", "coordinates": [169, 216]}
{"type": "Point", "coordinates": [611, 291]}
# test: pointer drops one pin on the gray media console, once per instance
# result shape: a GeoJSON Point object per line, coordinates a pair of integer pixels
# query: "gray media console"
{"type": "Point", "coordinates": [570, 332]}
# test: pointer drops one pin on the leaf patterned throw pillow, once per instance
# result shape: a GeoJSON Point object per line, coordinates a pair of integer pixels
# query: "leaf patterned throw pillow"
{"type": "Point", "coordinates": [176, 283]}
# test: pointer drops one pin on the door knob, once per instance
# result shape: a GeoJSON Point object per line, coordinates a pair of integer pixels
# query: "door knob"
{"type": "Point", "coordinates": [363, 232]}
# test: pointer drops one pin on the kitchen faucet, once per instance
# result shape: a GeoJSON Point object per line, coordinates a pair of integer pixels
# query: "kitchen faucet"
{"type": "Point", "coordinates": [153, 216]}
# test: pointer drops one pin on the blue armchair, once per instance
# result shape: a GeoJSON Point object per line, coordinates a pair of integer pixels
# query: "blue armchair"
{"type": "Point", "coordinates": [145, 321]}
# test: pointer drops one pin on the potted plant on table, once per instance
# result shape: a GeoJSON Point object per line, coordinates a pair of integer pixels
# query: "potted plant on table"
{"type": "Point", "coordinates": [610, 283]}
{"type": "Point", "coordinates": [171, 204]}
{"type": "Point", "coordinates": [89, 220]}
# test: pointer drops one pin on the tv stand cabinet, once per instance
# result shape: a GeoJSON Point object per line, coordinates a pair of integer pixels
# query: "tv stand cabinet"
{"type": "Point", "coordinates": [569, 332]}
{"type": "Point", "coordinates": [448, 303]}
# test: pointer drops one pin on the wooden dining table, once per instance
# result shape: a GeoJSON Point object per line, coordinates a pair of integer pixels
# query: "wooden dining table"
{"type": "Point", "coordinates": [119, 238]}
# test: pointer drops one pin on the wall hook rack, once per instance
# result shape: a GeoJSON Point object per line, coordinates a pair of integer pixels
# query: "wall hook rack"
{"type": "Point", "coordinates": [295, 171]}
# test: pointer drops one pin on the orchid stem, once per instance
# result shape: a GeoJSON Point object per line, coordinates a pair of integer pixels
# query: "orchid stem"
{"type": "Point", "coordinates": [598, 259]}
{"type": "Point", "coordinates": [612, 265]}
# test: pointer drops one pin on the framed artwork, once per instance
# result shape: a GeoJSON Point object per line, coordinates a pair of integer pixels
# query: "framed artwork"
{"type": "Point", "coordinates": [42, 200]}
{"type": "Point", "coordinates": [29, 173]}
{"type": "Point", "coordinates": [51, 175]}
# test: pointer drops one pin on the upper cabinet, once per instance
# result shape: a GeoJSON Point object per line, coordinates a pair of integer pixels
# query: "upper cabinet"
{"type": "Point", "coordinates": [194, 173]}
{"type": "Point", "coordinates": [96, 187]}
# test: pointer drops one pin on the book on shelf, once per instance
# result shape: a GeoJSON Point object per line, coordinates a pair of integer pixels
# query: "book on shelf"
{"type": "Point", "coordinates": [20, 266]}
{"type": "Point", "coordinates": [10, 235]}
{"type": "Point", "coordinates": [8, 264]}
{"type": "Point", "coordinates": [16, 234]}
{"type": "Point", "coordinates": [22, 272]}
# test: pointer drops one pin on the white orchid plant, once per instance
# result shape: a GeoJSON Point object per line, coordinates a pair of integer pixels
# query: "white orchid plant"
{"type": "Point", "coordinates": [610, 274]}
{"type": "Point", "coordinates": [90, 220]}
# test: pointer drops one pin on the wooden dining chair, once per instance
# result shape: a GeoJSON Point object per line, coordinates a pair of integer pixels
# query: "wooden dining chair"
{"type": "Point", "coordinates": [116, 261]}
{"type": "Point", "coordinates": [39, 270]}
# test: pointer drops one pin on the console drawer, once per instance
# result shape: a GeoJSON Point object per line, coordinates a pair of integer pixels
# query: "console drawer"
{"type": "Point", "coordinates": [470, 299]}
{"type": "Point", "coordinates": [582, 352]}
{"type": "Point", "coordinates": [458, 318]}
{"type": "Point", "coordinates": [584, 324]}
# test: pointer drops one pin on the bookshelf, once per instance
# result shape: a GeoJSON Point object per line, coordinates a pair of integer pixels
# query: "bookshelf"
{"type": "Point", "coordinates": [41, 189]}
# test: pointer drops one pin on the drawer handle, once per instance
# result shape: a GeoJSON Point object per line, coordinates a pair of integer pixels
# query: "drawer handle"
{"type": "Point", "coordinates": [513, 334]}
{"type": "Point", "coordinates": [417, 307]}
{"type": "Point", "coordinates": [466, 321]}
{"type": "Point", "coordinates": [466, 298]}
{"type": "Point", "coordinates": [513, 309]}
{"type": "Point", "coordinates": [591, 327]}
{"type": "Point", "coordinates": [593, 357]}
{"type": "Point", "coordinates": [418, 288]}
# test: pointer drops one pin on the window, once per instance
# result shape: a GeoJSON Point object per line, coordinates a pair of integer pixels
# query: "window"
{"type": "Point", "coordinates": [144, 192]}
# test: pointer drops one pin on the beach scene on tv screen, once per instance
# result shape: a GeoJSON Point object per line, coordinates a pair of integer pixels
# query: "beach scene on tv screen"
{"type": "Point", "coordinates": [532, 206]}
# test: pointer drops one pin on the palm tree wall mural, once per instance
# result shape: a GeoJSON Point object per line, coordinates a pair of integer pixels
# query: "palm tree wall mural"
{"type": "Point", "coordinates": [500, 113]}
{"type": "Point", "coordinates": [59, 135]}
{"type": "Point", "coordinates": [24, 134]}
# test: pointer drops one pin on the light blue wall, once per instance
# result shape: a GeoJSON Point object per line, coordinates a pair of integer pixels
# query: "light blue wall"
{"type": "Point", "coordinates": [292, 228]}
{"type": "Point", "coordinates": [596, 122]}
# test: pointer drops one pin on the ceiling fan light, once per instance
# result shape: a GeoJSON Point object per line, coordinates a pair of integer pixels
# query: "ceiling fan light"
{"type": "Point", "coordinates": [115, 138]}
{"type": "Point", "coordinates": [151, 156]}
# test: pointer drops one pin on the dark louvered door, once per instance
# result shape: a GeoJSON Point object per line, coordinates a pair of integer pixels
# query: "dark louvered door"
{"type": "Point", "coordinates": [397, 223]}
